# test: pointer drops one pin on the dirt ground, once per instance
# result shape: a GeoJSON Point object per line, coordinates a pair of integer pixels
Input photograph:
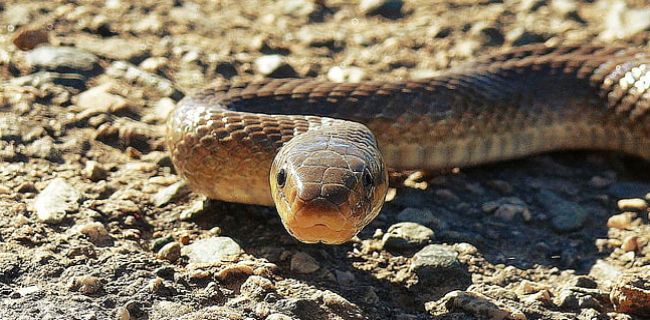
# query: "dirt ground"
{"type": "Point", "coordinates": [95, 224]}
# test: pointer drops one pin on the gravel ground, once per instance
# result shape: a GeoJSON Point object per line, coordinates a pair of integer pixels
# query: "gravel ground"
{"type": "Point", "coordinates": [94, 223]}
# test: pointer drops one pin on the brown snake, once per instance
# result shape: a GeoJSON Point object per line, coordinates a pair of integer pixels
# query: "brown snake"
{"type": "Point", "coordinates": [281, 142]}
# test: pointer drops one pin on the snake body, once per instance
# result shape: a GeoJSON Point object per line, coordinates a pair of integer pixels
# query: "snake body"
{"type": "Point", "coordinates": [304, 146]}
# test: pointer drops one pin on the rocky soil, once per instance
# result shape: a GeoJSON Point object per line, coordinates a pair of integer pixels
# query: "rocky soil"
{"type": "Point", "coordinates": [95, 224]}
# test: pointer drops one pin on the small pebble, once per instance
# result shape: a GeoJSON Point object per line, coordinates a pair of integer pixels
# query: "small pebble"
{"type": "Point", "coordinates": [162, 309]}
{"type": "Point", "coordinates": [44, 148]}
{"type": "Point", "coordinates": [129, 72]}
{"type": "Point", "coordinates": [5, 190]}
{"type": "Point", "coordinates": [632, 204]}
{"type": "Point", "coordinates": [256, 287]}
{"type": "Point", "coordinates": [528, 287]}
{"type": "Point", "coordinates": [299, 8]}
{"type": "Point", "coordinates": [216, 231]}
{"type": "Point", "coordinates": [465, 248]}
{"type": "Point", "coordinates": [572, 299]}
{"type": "Point", "coordinates": [278, 316]}
{"type": "Point", "coordinates": [520, 36]}
{"type": "Point", "coordinates": [336, 302]}
{"type": "Point", "coordinates": [567, 216]}
{"type": "Point", "coordinates": [274, 66]}
{"type": "Point", "coordinates": [96, 231]}
{"type": "Point", "coordinates": [26, 187]}
{"type": "Point", "coordinates": [502, 186]}
{"type": "Point", "coordinates": [387, 8]}
{"type": "Point", "coordinates": [116, 48]}
{"type": "Point", "coordinates": [170, 252]}
{"type": "Point", "coordinates": [564, 7]}
{"type": "Point", "coordinates": [156, 284]}
{"type": "Point", "coordinates": [584, 282]}
{"type": "Point", "coordinates": [474, 304]}
{"type": "Point", "coordinates": [628, 256]}
{"type": "Point", "coordinates": [422, 216]}
{"type": "Point", "coordinates": [344, 278]}
{"type": "Point", "coordinates": [621, 221]}
{"type": "Point", "coordinates": [166, 272]}
{"type": "Point", "coordinates": [234, 272]}
{"type": "Point", "coordinates": [28, 39]}
{"type": "Point", "coordinates": [17, 15]}
{"type": "Point", "coordinates": [196, 209]}
{"type": "Point", "coordinates": [303, 263]}
{"type": "Point", "coordinates": [630, 243]}
{"type": "Point", "coordinates": [163, 108]}
{"type": "Point", "coordinates": [160, 242]}
{"type": "Point", "coordinates": [184, 239]}
{"type": "Point", "coordinates": [86, 284]}
{"type": "Point", "coordinates": [100, 100]}
{"type": "Point", "coordinates": [130, 220]}
{"type": "Point", "coordinates": [508, 208]}
{"type": "Point", "coordinates": [122, 313]}
{"type": "Point", "coordinates": [24, 291]}
{"type": "Point", "coordinates": [94, 171]}
{"type": "Point", "coordinates": [62, 59]}
{"type": "Point", "coordinates": [447, 195]}
{"type": "Point", "coordinates": [200, 275]}
{"type": "Point", "coordinates": [345, 74]}
{"type": "Point", "coordinates": [170, 193]}
{"type": "Point", "coordinates": [599, 182]}
{"type": "Point", "coordinates": [543, 296]}
{"type": "Point", "coordinates": [20, 220]}
{"type": "Point", "coordinates": [488, 34]}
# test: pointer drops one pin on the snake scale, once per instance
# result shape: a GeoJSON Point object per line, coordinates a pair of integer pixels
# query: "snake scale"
{"type": "Point", "coordinates": [319, 151]}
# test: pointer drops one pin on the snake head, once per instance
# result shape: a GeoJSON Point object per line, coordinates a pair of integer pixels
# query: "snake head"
{"type": "Point", "coordinates": [328, 184]}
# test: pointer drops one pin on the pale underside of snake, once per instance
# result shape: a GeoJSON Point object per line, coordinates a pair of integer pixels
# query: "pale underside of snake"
{"type": "Point", "coordinates": [319, 151]}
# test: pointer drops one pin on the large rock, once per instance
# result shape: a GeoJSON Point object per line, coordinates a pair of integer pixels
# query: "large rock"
{"type": "Point", "coordinates": [406, 235]}
{"type": "Point", "coordinates": [55, 201]}
{"type": "Point", "coordinates": [213, 250]}
{"type": "Point", "coordinates": [567, 216]}
{"type": "Point", "coordinates": [437, 264]}
{"type": "Point", "coordinates": [62, 59]}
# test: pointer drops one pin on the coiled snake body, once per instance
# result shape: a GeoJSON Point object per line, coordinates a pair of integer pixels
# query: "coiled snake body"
{"type": "Point", "coordinates": [284, 142]}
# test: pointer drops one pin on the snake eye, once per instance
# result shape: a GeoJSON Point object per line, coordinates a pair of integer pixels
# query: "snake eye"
{"type": "Point", "coordinates": [281, 178]}
{"type": "Point", "coordinates": [367, 179]}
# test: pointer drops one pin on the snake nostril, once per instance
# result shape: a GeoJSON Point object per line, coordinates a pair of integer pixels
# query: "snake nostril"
{"type": "Point", "coordinates": [281, 178]}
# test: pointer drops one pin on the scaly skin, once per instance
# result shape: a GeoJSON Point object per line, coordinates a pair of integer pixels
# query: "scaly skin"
{"type": "Point", "coordinates": [525, 101]}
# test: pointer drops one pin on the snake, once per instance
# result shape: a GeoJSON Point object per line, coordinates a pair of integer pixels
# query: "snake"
{"type": "Point", "coordinates": [319, 151]}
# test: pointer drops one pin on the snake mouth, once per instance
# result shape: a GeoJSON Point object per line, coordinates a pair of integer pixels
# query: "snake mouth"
{"type": "Point", "coordinates": [319, 221]}
{"type": "Point", "coordinates": [321, 233]}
